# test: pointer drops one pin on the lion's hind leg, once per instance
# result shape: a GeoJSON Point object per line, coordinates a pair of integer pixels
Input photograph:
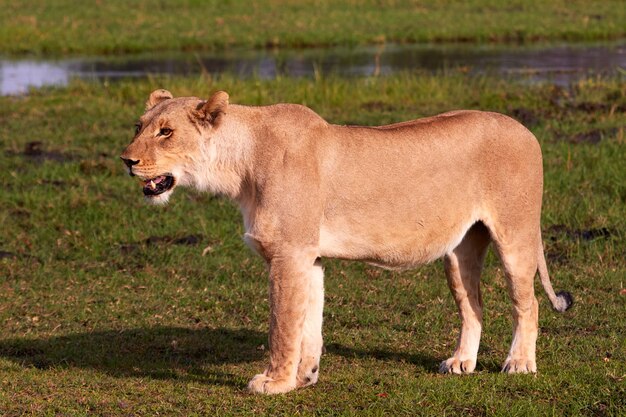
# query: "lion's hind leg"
{"type": "Point", "coordinates": [520, 264]}
{"type": "Point", "coordinates": [463, 267]}
{"type": "Point", "coordinates": [516, 244]}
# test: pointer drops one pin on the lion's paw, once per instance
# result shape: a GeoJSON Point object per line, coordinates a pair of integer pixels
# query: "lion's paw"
{"type": "Point", "coordinates": [519, 366]}
{"type": "Point", "coordinates": [454, 365]}
{"type": "Point", "coordinates": [308, 378]}
{"type": "Point", "coordinates": [263, 384]}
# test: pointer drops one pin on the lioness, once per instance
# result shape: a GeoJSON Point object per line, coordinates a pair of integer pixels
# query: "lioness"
{"type": "Point", "coordinates": [395, 196]}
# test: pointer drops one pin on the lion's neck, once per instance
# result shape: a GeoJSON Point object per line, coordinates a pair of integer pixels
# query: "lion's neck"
{"type": "Point", "coordinates": [226, 158]}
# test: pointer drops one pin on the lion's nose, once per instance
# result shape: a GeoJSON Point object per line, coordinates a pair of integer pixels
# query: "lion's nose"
{"type": "Point", "coordinates": [129, 163]}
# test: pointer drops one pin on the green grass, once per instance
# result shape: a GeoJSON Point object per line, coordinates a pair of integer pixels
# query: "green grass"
{"type": "Point", "coordinates": [121, 26]}
{"type": "Point", "coordinates": [99, 319]}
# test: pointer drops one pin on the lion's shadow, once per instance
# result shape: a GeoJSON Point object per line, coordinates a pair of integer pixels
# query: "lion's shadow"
{"type": "Point", "coordinates": [167, 353]}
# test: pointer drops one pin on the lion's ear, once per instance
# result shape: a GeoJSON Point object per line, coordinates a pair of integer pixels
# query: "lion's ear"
{"type": "Point", "coordinates": [213, 107]}
{"type": "Point", "coordinates": [156, 97]}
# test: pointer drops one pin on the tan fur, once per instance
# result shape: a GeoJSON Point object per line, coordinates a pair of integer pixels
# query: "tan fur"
{"type": "Point", "coordinates": [395, 196]}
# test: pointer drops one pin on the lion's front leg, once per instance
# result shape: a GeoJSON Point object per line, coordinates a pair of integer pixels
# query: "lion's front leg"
{"type": "Point", "coordinates": [312, 342]}
{"type": "Point", "coordinates": [290, 279]}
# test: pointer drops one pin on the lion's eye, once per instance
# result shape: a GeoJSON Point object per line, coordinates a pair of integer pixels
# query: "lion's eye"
{"type": "Point", "coordinates": [137, 128]}
{"type": "Point", "coordinates": [165, 131]}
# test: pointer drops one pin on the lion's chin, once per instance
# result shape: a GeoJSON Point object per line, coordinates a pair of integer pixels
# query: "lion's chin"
{"type": "Point", "coordinates": [159, 199]}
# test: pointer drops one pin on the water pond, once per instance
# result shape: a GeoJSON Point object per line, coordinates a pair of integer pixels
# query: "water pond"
{"type": "Point", "coordinates": [557, 63]}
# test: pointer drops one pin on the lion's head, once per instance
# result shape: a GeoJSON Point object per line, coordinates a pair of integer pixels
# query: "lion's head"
{"type": "Point", "coordinates": [171, 146]}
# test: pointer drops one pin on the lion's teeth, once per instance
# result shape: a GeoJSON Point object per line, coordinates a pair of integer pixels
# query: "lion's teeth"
{"type": "Point", "coordinates": [152, 185]}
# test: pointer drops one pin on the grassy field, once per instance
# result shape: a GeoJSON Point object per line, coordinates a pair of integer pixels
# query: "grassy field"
{"type": "Point", "coordinates": [109, 307]}
{"type": "Point", "coordinates": [120, 26]}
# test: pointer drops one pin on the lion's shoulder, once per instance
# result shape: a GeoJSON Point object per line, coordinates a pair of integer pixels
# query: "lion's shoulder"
{"type": "Point", "coordinates": [296, 113]}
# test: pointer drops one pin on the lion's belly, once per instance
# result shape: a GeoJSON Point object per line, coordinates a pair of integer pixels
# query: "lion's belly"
{"type": "Point", "coordinates": [401, 244]}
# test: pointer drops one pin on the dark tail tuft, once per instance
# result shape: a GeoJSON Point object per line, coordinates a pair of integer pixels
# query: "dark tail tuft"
{"type": "Point", "coordinates": [565, 301]}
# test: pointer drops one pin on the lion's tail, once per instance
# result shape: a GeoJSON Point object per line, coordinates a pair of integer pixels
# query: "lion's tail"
{"type": "Point", "coordinates": [562, 300]}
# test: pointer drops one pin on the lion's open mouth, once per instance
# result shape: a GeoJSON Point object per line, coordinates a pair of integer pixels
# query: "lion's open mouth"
{"type": "Point", "coordinates": [158, 185]}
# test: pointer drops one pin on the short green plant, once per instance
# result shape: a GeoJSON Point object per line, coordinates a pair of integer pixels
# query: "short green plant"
{"type": "Point", "coordinates": [112, 307]}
